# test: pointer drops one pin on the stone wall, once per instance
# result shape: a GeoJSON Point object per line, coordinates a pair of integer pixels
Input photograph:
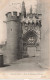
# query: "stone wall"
{"type": "Point", "coordinates": [44, 56]}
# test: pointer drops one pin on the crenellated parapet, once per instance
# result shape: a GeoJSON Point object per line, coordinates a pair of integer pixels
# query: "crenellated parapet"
{"type": "Point", "coordinates": [12, 16]}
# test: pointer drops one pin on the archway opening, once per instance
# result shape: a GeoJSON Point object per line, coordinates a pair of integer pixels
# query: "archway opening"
{"type": "Point", "coordinates": [29, 44]}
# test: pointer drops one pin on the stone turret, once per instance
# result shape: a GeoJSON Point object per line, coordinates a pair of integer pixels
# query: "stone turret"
{"type": "Point", "coordinates": [13, 36]}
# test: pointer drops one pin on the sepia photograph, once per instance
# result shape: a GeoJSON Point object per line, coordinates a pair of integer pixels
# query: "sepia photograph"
{"type": "Point", "coordinates": [24, 37]}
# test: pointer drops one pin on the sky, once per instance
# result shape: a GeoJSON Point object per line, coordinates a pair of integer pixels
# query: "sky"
{"type": "Point", "coordinates": [13, 5]}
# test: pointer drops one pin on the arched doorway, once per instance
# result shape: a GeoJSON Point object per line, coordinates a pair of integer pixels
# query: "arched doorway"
{"type": "Point", "coordinates": [29, 43]}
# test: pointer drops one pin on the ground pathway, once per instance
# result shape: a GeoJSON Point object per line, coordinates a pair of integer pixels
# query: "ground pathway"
{"type": "Point", "coordinates": [26, 64]}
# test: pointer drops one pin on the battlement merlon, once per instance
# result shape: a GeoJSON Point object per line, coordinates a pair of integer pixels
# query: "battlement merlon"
{"type": "Point", "coordinates": [12, 16]}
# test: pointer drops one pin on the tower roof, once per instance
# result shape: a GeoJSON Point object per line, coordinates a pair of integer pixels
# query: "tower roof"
{"type": "Point", "coordinates": [23, 10]}
{"type": "Point", "coordinates": [23, 3]}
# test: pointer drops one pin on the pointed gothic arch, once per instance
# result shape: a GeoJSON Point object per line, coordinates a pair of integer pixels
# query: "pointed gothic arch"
{"type": "Point", "coordinates": [26, 43]}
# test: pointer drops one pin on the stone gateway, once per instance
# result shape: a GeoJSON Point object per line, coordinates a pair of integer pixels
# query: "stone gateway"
{"type": "Point", "coordinates": [23, 35]}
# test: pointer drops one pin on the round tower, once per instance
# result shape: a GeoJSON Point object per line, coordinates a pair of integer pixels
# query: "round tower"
{"type": "Point", "coordinates": [13, 35]}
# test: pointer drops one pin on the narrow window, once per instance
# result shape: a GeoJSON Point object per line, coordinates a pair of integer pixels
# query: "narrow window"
{"type": "Point", "coordinates": [11, 29]}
